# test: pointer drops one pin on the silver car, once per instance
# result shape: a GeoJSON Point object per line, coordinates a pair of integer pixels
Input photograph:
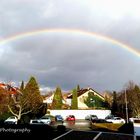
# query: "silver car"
{"type": "Point", "coordinates": [45, 120]}
{"type": "Point", "coordinates": [11, 120]}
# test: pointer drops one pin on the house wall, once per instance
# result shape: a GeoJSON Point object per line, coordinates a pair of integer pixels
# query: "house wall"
{"type": "Point", "coordinates": [81, 104]}
{"type": "Point", "coordinates": [50, 99]}
{"type": "Point", "coordinates": [81, 114]}
{"type": "Point", "coordinates": [68, 101]}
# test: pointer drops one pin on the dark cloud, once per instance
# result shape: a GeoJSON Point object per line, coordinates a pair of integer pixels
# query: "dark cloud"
{"type": "Point", "coordinates": [68, 59]}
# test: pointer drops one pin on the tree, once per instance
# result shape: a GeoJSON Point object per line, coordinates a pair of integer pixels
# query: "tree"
{"type": "Point", "coordinates": [74, 102]}
{"type": "Point", "coordinates": [133, 96]}
{"type": "Point", "coordinates": [132, 92]}
{"type": "Point", "coordinates": [4, 99]}
{"type": "Point", "coordinates": [22, 86]}
{"type": "Point", "coordinates": [78, 88]}
{"type": "Point", "coordinates": [29, 101]}
{"type": "Point", "coordinates": [114, 108]}
{"type": "Point", "coordinates": [94, 101]}
{"type": "Point", "coordinates": [135, 105]}
{"type": "Point", "coordinates": [108, 98]}
{"type": "Point", "coordinates": [57, 99]}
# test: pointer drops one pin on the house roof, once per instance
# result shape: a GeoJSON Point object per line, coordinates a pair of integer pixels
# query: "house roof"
{"type": "Point", "coordinates": [9, 88]}
{"type": "Point", "coordinates": [82, 91]}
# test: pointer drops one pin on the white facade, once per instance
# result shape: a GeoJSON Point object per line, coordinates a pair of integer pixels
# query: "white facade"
{"type": "Point", "coordinates": [81, 98]}
{"type": "Point", "coordinates": [49, 99]}
{"type": "Point", "coordinates": [81, 114]}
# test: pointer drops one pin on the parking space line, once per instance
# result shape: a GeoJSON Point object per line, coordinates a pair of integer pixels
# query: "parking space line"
{"type": "Point", "coordinates": [62, 135]}
{"type": "Point", "coordinates": [110, 133]}
{"type": "Point", "coordinates": [97, 136]}
{"type": "Point", "coordinates": [135, 137]}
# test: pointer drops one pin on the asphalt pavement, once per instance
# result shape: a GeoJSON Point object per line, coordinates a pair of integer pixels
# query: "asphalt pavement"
{"type": "Point", "coordinates": [93, 135]}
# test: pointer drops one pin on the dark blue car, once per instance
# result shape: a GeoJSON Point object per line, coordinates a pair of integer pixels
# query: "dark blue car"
{"type": "Point", "coordinates": [59, 118]}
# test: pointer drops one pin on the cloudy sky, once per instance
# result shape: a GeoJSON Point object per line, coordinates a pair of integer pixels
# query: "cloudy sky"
{"type": "Point", "coordinates": [70, 58]}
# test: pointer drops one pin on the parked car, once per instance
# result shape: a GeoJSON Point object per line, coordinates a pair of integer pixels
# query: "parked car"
{"type": "Point", "coordinates": [132, 120]}
{"type": "Point", "coordinates": [50, 116]}
{"type": "Point", "coordinates": [36, 122]}
{"type": "Point", "coordinates": [116, 120]}
{"type": "Point", "coordinates": [43, 120]}
{"type": "Point", "coordinates": [91, 117]}
{"type": "Point", "coordinates": [59, 118]}
{"type": "Point", "coordinates": [110, 117]}
{"type": "Point", "coordinates": [11, 120]}
{"type": "Point", "coordinates": [70, 118]}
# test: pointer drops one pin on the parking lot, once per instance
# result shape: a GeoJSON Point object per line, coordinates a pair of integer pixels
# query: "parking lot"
{"type": "Point", "coordinates": [94, 135]}
{"type": "Point", "coordinates": [78, 124]}
{"type": "Point", "coordinates": [79, 129]}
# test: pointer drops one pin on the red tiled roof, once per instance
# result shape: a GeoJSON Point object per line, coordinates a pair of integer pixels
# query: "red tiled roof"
{"type": "Point", "coordinates": [9, 88]}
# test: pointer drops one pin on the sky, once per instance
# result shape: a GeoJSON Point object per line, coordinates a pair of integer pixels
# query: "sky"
{"type": "Point", "coordinates": [69, 58]}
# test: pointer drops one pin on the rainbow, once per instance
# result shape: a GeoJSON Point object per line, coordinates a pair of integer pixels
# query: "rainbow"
{"type": "Point", "coordinates": [72, 31]}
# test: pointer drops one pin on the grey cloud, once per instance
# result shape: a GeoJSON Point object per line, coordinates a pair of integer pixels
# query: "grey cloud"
{"type": "Point", "coordinates": [85, 62]}
{"type": "Point", "coordinates": [67, 59]}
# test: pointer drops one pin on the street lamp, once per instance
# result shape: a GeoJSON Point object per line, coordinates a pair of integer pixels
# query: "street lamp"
{"type": "Point", "coordinates": [126, 107]}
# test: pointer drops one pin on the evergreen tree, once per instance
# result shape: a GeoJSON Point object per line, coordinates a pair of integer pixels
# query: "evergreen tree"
{"type": "Point", "coordinates": [22, 86]}
{"type": "Point", "coordinates": [78, 88]}
{"type": "Point", "coordinates": [74, 102]}
{"type": "Point", "coordinates": [114, 108]}
{"type": "Point", "coordinates": [57, 99]}
{"type": "Point", "coordinates": [33, 94]}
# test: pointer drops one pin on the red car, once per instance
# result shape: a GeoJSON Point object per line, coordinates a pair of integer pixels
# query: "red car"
{"type": "Point", "coordinates": [70, 118]}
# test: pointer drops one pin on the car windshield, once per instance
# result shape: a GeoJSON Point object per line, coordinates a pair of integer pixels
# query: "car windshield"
{"type": "Point", "coordinates": [12, 117]}
{"type": "Point", "coordinates": [93, 116]}
{"type": "Point", "coordinates": [44, 117]}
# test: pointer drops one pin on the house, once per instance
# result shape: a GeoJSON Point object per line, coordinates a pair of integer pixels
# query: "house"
{"type": "Point", "coordinates": [49, 98]}
{"type": "Point", "coordinates": [11, 89]}
{"type": "Point", "coordinates": [83, 94]}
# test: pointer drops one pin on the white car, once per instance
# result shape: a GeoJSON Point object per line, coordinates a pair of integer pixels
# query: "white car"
{"type": "Point", "coordinates": [116, 120]}
{"type": "Point", "coordinates": [37, 122]}
{"type": "Point", "coordinates": [132, 120]}
{"type": "Point", "coordinates": [45, 120]}
{"type": "Point", "coordinates": [42, 120]}
{"type": "Point", "coordinates": [11, 120]}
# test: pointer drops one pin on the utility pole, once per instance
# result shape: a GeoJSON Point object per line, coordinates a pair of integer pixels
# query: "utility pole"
{"type": "Point", "coordinates": [126, 107]}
